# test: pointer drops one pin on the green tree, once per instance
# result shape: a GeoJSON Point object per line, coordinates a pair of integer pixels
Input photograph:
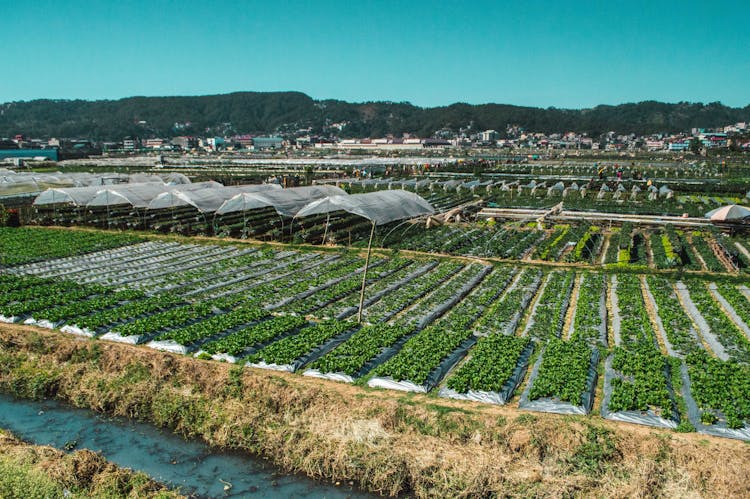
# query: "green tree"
{"type": "Point", "coordinates": [695, 145]}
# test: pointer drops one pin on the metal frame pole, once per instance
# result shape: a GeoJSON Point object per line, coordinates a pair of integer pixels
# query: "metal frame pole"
{"type": "Point", "coordinates": [364, 276]}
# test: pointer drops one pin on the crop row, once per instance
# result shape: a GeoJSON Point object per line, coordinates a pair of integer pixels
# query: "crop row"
{"type": "Point", "coordinates": [465, 314]}
{"type": "Point", "coordinates": [236, 343]}
{"type": "Point", "coordinates": [739, 302]}
{"type": "Point", "coordinates": [30, 288]}
{"type": "Point", "coordinates": [563, 371]}
{"type": "Point", "coordinates": [720, 386]}
{"type": "Point", "coordinates": [549, 312]}
{"type": "Point", "coordinates": [491, 364]}
{"type": "Point", "coordinates": [405, 296]}
{"type": "Point", "coordinates": [213, 325]}
{"type": "Point", "coordinates": [378, 283]}
{"type": "Point", "coordinates": [676, 323]}
{"type": "Point", "coordinates": [291, 348]}
{"type": "Point", "coordinates": [588, 322]}
{"type": "Point", "coordinates": [426, 350]}
{"type": "Point", "coordinates": [645, 384]}
{"type": "Point", "coordinates": [23, 245]}
{"type": "Point", "coordinates": [707, 254]}
{"type": "Point", "coordinates": [439, 295]}
{"type": "Point", "coordinates": [93, 304]}
{"type": "Point", "coordinates": [644, 369]}
{"type": "Point", "coordinates": [46, 297]}
{"type": "Point", "coordinates": [173, 317]}
{"type": "Point", "coordinates": [586, 249]}
{"type": "Point", "coordinates": [635, 326]}
{"type": "Point", "coordinates": [341, 285]}
{"type": "Point", "coordinates": [364, 346]}
{"type": "Point", "coordinates": [503, 315]}
{"type": "Point", "coordinates": [727, 332]}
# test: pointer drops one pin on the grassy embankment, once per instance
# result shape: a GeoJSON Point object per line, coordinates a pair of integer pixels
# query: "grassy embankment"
{"type": "Point", "coordinates": [385, 441]}
{"type": "Point", "coordinates": [38, 471]}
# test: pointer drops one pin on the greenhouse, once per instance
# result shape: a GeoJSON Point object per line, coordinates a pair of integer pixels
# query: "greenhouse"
{"type": "Point", "coordinates": [207, 199]}
{"type": "Point", "coordinates": [286, 202]}
{"type": "Point", "coordinates": [136, 195]}
{"type": "Point", "coordinates": [75, 196]}
{"type": "Point", "coordinates": [14, 184]}
{"type": "Point", "coordinates": [380, 207]}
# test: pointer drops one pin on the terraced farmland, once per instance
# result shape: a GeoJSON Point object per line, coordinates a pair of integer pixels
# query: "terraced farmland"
{"type": "Point", "coordinates": [642, 345]}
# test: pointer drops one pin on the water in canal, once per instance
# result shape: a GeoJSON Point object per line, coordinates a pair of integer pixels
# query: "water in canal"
{"type": "Point", "coordinates": [189, 465]}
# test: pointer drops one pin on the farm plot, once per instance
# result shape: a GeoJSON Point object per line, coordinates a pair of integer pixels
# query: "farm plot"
{"type": "Point", "coordinates": [637, 375]}
{"type": "Point", "coordinates": [480, 240]}
{"type": "Point", "coordinates": [385, 309]}
{"type": "Point", "coordinates": [564, 377]}
{"type": "Point", "coordinates": [427, 356]}
{"type": "Point", "coordinates": [24, 245]}
{"type": "Point", "coordinates": [465, 330]}
{"type": "Point", "coordinates": [724, 336]}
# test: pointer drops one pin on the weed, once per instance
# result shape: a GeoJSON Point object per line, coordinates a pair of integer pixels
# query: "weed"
{"type": "Point", "coordinates": [595, 454]}
{"type": "Point", "coordinates": [234, 387]}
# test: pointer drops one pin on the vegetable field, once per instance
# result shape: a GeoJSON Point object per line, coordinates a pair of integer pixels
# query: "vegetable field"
{"type": "Point", "coordinates": [631, 341]}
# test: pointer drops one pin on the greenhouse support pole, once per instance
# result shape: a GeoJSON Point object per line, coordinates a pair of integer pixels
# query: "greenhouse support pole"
{"type": "Point", "coordinates": [364, 276]}
{"type": "Point", "coordinates": [325, 232]}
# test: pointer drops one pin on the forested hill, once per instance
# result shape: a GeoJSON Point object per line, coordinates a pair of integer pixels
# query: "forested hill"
{"type": "Point", "coordinates": [278, 112]}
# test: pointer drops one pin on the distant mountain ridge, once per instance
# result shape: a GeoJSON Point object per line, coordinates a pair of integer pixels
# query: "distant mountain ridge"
{"type": "Point", "coordinates": [284, 112]}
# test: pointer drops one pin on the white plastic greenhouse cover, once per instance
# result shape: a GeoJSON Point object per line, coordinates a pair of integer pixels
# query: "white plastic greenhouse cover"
{"type": "Point", "coordinates": [33, 183]}
{"type": "Point", "coordinates": [177, 179]}
{"type": "Point", "coordinates": [286, 202]}
{"type": "Point", "coordinates": [136, 195]}
{"type": "Point", "coordinates": [78, 196]}
{"type": "Point", "coordinates": [145, 178]}
{"type": "Point", "coordinates": [205, 200]}
{"type": "Point", "coordinates": [380, 207]}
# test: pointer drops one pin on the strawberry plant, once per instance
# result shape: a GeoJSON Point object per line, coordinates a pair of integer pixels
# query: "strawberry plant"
{"type": "Point", "coordinates": [563, 371]}
{"type": "Point", "coordinates": [288, 349]}
{"type": "Point", "coordinates": [260, 333]}
{"type": "Point", "coordinates": [364, 346]}
{"type": "Point", "coordinates": [491, 364]}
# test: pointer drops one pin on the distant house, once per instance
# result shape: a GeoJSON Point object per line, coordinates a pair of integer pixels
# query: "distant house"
{"type": "Point", "coordinates": [155, 143]}
{"type": "Point", "coordinates": [131, 144]}
{"type": "Point", "coordinates": [244, 141]}
{"type": "Point", "coordinates": [489, 136]}
{"type": "Point", "coordinates": [261, 143]}
{"type": "Point", "coordinates": [654, 145]}
{"type": "Point", "coordinates": [435, 143]}
{"type": "Point", "coordinates": [185, 143]}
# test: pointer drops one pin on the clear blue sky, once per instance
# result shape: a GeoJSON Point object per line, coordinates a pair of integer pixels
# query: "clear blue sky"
{"type": "Point", "coordinates": [541, 53]}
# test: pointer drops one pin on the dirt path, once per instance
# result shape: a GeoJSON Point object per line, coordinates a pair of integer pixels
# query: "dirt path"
{"type": "Point", "coordinates": [605, 247]}
{"type": "Point", "coordinates": [653, 317]}
{"type": "Point", "coordinates": [649, 251]}
{"type": "Point", "coordinates": [570, 313]}
{"type": "Point", "coordinates": [695, 252]}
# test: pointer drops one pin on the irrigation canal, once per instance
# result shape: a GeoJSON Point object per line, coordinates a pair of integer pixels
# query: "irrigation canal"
{"type": "Point", "coordinates": [190, 465]}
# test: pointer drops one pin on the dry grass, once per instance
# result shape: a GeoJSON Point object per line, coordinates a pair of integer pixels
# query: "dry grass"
{"type": "Point", "coordinates": [388, 442]}
{"type": "Point", "coordinates": [33, 470]}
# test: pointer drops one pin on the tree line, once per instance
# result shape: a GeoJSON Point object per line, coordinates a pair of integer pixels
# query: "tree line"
{"type": "Point", "coordinates": [286, 112]}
